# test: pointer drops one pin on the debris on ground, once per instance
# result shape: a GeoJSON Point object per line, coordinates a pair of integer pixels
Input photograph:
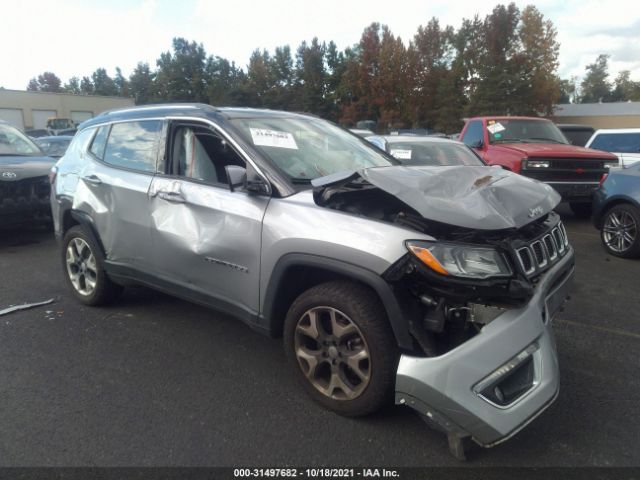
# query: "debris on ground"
{"type": "Point", "coordinates": [24, 306]}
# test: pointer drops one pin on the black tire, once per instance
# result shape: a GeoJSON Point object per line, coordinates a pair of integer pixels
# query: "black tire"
{"type": "Point", "coordinates": [104, 290]}
{"type": "Point", "coordinates": [361, 306]}
{"type": "Point", "coordinates": [581, 210]}
{"type": "Point", "coordinates": [632, 216]}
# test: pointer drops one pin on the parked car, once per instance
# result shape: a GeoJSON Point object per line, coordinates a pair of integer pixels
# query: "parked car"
{"type": "Point", "coordinates": [535, 148]}
{"type": "Point", "coordinates": [616, 212]}
{"type": "Point", "coordinates": [56, 125]}
{"type": "Point", "coordinates": [54, 146]}
{"type": "Point", "coordinates": [433, 286]}
{"type": "Point", "coordinates": [623, 142]}
{"type": "Point", "coordinates": [432, 151]}
{"type": "Point", "coordinates": [577, 135]}
{"type": "Point", "coordinates": [24, 183]}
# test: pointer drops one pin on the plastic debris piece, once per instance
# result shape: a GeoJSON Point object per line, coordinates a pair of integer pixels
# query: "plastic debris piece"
{"type": "Point", "coordinates": [24, 306]}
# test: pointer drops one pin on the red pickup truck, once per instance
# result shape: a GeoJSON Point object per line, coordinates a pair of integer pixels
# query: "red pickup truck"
{"type": "Point", "coordinates": [536, 148]}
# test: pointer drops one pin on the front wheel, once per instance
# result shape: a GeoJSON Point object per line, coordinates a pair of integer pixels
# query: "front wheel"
{"type": "Point", "coordinates": [619, 231]}
{"type": "Point", "coordinates": [339, 341]}
{"type": "Point", "coordinates": [581, 210]}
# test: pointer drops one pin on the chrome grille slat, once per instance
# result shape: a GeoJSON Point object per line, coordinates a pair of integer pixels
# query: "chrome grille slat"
{"type": "Point", "coordinates": [542, 252]}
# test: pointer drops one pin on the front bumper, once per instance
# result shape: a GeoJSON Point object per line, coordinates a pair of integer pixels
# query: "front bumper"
{"type": "Point", "coordinates": [575, 191]}
{"type": "Point", "coordinates": [442, 388]}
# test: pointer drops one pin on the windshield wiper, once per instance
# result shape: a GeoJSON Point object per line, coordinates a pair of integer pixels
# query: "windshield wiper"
{"type": "Point", "coordinates": [301, 181]}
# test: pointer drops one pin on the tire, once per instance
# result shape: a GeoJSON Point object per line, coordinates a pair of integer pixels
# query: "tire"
{"type": "Point", "coordinates": [84, 271]}
{"type": "Point", "coordinates": [581, 210]}
{"type": "Point", "coordinates": [352, 346]}
{"type": "Point", "coordinates": [619, 232]}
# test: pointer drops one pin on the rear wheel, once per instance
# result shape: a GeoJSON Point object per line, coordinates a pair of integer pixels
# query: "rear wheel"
{"type": "Point", "coordinates": [619, 231]}
{"type": "Point", "coordinates": [581, 210]}
{"type": "Point", "coordinates": [341, 346]}
{"type": "Point", "coordinates": [84, 271]}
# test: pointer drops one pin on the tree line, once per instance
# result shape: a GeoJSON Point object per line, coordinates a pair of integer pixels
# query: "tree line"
{"type": "Point", "coordinates": [505, 63]}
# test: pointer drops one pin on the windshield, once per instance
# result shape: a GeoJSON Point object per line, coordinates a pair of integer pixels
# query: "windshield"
{"type": "Point", "coordinates": [432, 153]}
{"type": "Point", "coordinates": [53, 148]}
{"type": "Point", "coordinates": [526, 131]}
{"type": "Point", "coordinates": [13, 142]}
{"type": "Point", "coordinates": [305, 149]}
{"type": "Point", "coordinates": [617, 142]}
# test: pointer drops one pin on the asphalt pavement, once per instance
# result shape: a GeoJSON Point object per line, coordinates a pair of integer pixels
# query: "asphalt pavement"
{"type": "Point", "coordinates": [156, 381]}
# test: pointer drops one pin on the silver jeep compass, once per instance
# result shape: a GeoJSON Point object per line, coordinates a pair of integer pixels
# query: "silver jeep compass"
{"type": "Point", "coordinates": [434, 287]}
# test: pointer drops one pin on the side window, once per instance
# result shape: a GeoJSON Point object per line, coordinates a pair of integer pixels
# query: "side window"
{"type": "Point", "coordinates": [473, 135]}
{"type": "Point", "coordinates": [199, 153]}
{"type": "Point", "coordinates": [134, 145]}
{"type": "Point", "coordinates": [99, 142]}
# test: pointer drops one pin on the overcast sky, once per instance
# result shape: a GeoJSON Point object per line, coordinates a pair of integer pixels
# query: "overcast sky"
{"type": "Point", "coordinates": [74, 37]}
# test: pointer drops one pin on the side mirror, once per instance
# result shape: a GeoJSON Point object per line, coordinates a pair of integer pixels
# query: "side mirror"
{"type": "Point", "coordinates": [477, 144]}
{"type": "Point", "coordinates": [236, 176]}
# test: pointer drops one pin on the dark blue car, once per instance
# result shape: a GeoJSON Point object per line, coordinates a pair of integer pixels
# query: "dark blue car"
{"type": "Point", "coordinates": [616, 212]}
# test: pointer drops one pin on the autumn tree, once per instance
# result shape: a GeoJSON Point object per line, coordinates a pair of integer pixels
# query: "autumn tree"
{"type": "Point", "coordinates": [46, 82]}
{"type": "Point", "coordinates": [595, 87]}
{"type": "Point", "coordinates": [537, 63]}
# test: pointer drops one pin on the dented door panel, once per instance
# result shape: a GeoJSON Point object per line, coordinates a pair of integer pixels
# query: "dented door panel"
{"type": "Point", "coordinates": [207, 239]}
{"type": "Point", "coordinates": [119, 207]}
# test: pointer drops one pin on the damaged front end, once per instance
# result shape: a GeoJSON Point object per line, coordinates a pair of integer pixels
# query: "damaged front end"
{"type": "Point", "coordinates": [483, 290]}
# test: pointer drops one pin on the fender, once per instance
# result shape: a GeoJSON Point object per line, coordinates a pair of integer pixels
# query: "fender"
{"type": "Point", "coordinates": [89, 227]}
{"type": "Point", "coordinates": [397, 314]}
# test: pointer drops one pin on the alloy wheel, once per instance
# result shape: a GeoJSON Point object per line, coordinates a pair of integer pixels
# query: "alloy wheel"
{"type": "Point", "coordinates": [81, 266]}
{"type": "Point", "coordinates": [332, 353]}
{"type": "Point", "coordinates": [619, 231]}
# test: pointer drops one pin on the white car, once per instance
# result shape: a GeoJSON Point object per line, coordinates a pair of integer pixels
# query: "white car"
{"type": "Point", "coordinates": [623, 142]}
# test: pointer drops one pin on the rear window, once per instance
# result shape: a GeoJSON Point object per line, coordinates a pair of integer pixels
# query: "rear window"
{"type": "Point", "coordinates": [433, 153]}
{"type": "Point", "coordinates": [617, 142]}
{"type": "Point", "coordinates": [134, 145]}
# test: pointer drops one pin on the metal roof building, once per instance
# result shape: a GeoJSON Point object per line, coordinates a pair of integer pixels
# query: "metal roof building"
{"type": "Point", "coordinates": [599, 115]}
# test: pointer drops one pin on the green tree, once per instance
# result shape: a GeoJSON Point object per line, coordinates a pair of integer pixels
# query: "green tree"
{"type": "Point", "coordinates": [46, 82]}
{"type": "Point", "coordinates": [311, 76]}
{"type": "Point", "coordinates": [259, 79]}
{"type": "Point", "coordinates": [625, 89]}
{"type": "Point", "coordinates": [121, 83]}
{"type": "Point", "coordinates": [181, 74]}
{"type": "Point", "coordinates": [224, 81]}
{"type": "Point", "coordinates": [72, 86]}
{"type": "Point", "coordinates": [568, 92]}
{"type": "Point", "coordinates": [595, 87]}
{"type": "Point", "coordinates": [103, 84]}
{"type": "Point", "coordinates": [86, 86]}
{"type": "Point", "coordinates": [141, 84]}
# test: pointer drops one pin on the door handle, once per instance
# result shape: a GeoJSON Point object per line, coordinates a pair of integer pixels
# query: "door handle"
{"type": "Point", "coordinates": [173, 197]}
{"type": "Point", "coordinates": [92, 179]}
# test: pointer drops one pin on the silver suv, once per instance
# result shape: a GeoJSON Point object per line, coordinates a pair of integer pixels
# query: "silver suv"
{"type": "Point", "coordinates": [431, 286]}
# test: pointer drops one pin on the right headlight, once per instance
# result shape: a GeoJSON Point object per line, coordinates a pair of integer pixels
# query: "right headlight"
{"type": "Point", "coordinates": [465, 261]}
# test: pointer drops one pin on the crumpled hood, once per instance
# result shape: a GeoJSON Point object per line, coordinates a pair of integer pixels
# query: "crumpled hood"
{"type": "Point", "coordinates": [482, 198]}
{"type": "Point", "coordinates": [13, 168]}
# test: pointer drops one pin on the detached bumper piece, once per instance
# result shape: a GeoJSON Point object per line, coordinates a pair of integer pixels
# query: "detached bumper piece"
{"type": "Point", "coordinates": [496, 383]}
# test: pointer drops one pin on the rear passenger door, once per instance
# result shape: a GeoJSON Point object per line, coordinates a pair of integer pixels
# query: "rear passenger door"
{"type": "Point", "coordinates": [113, 188]}
{"type": "Point", "coordinates": [206, 238]}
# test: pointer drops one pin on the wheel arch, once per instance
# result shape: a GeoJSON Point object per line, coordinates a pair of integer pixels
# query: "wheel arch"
{"type": "Point", "coordinates": [614, 202]}
{"type": "Point", "coordinates": [295, 273]}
